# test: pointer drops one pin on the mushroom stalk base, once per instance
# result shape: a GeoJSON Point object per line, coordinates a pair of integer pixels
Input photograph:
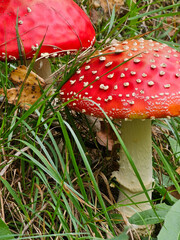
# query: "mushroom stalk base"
{"type": "Point", "coordinates": [136, 135]}
{"type": "Point", "coordinates": [42, 68]}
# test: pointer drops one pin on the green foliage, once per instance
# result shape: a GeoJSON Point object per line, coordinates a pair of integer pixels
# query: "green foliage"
{"type": "Point", "coordinates": [171, 227]}
{"type": "Point", "coordinates": [149, 216]}
{"type": "Point", "coordinates": [5, 233]}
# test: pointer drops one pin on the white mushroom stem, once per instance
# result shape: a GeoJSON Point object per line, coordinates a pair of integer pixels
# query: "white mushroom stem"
{"type": "Point", "coordinates": [136, 135]}
{"type": "Point", "coordinates": [42, 67]}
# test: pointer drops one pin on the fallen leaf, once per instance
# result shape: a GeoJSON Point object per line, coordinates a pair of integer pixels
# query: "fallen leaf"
{"type": "Point", "coordinates": [107, 4]}
{"type": "Point", "coordinates": [106, 136]}
{"type": "Point", "coordinates": [173, 23]}
{"type": "Point", "coordinates": [102, 9]}
{"type": "Point", "coordinates": [178, 170]}
{"type": "Point", "coordinates": [17, 77]}
{"type": "Point", "coordinates": [27, 90]}
{"type": "Point", "coordinates": [172, 190]}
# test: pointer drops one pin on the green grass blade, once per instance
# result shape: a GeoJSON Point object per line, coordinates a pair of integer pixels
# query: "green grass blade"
{"type": "Point", "coordinates": [83, 155]}
{"type": "Point", "coordinates": [167, 167]}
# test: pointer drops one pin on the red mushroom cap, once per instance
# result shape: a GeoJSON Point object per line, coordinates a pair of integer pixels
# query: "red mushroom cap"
{"type": "Point", "coordinates": [62, 22]}
{"type": "Point", "coordinates": [145, 85]}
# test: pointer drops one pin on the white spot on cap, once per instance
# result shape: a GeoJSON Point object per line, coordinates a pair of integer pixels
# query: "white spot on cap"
{"type": "Point", "coordinates": [138, 80]}
{"type": "Point", "coordinates": [87, 67]}
{"type": "Point", "coordinates": [133, 73]}
{"type": "Point", "coordinates": [78, 71]}
{"type": "Point", "coordinates": [177, 75]}
{"type": "Point", "coordinates": [144, 75]}
{"type": "Point", "coordinates": [153, 66]}
{"type": "Point", "coordinates": [102, 58]}
{"type": "Point", "coordinates": [20, 22]}
{"type": "Point", "coordinates": [85, 84]}
{"type": "Point", "coordinates": [163, 65]}
{"type": "Point", "coordinates": [119, 51]}
{"type": "Point", "coordinates": [150, 83]}
{"type": "Point", "coordinates": [134, 49]}
{"type": "Point", "coordinates": [98, 98]}
{"type": "Point", "coordinates": [34, 48]}
{"type": "Point", "coordinates": [102, 86]}
{"type": "Point", "coordinates": [94, 72]}
{"type": "Point", "coordinates": [167, 85]}
{"type": "Point", "coordinates": [124, 42]}
{"type": "Point", "coordinates": [45, 55]}
{"type": "Point", "coordinates": [122, 75]}
{"type": "Point", "coordinates": [112, 48]}
{"type": "Point", "coordinates": [81, 78]}
{"type": "Point", "coordinates": [88, 60]}
{"type": "Point", "coordinates": [72, 81]}
{"type": "Point", "coordinates": [115, 87]}
{"type": "Point", "coordinates": [156, 55]}
{"type": "Point", "coordinates": [161, 73]}
{"type": "Point", "coordinates": [108, 64]}
{"type": "Point", "coordinates": [29, 9]}
{"type": "Point", "coordinates": [126, 84]}
{"type": "Point", "coordinates": [126, 47]}
{"type": "Point", "coordinates": [136, 60]}
{"type": "Point", "coordinates": [110, 75]}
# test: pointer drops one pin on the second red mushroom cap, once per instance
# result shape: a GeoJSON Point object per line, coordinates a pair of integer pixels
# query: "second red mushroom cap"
{"type": "Point", "coordinates": [131, 79]}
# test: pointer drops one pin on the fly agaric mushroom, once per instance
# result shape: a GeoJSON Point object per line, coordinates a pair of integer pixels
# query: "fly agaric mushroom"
{"type": "Point", "coordinates": [63, 25]}
{"type": "Point", "coordinates": [136, 80]}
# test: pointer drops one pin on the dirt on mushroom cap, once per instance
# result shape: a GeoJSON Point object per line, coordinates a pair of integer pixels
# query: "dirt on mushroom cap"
{"type": "Point", "coordinates": [131, 79]}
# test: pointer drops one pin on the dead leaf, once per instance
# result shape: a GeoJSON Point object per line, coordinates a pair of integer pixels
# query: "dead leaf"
{"type": "Point", "coordinates": [18, 76]}
{"type": "Point", "coordinates": [173, 191]}
{"type": "Point", "coordinates": [172, 22]}
{"type": "Point", "coordinates": [27, 91]}
{"type": "Point", "coordinates": [105, 6]}
{"type": "Point", "coordinates": [178, 170]}
{"type": "Point", "coordinates": [106, 136]}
